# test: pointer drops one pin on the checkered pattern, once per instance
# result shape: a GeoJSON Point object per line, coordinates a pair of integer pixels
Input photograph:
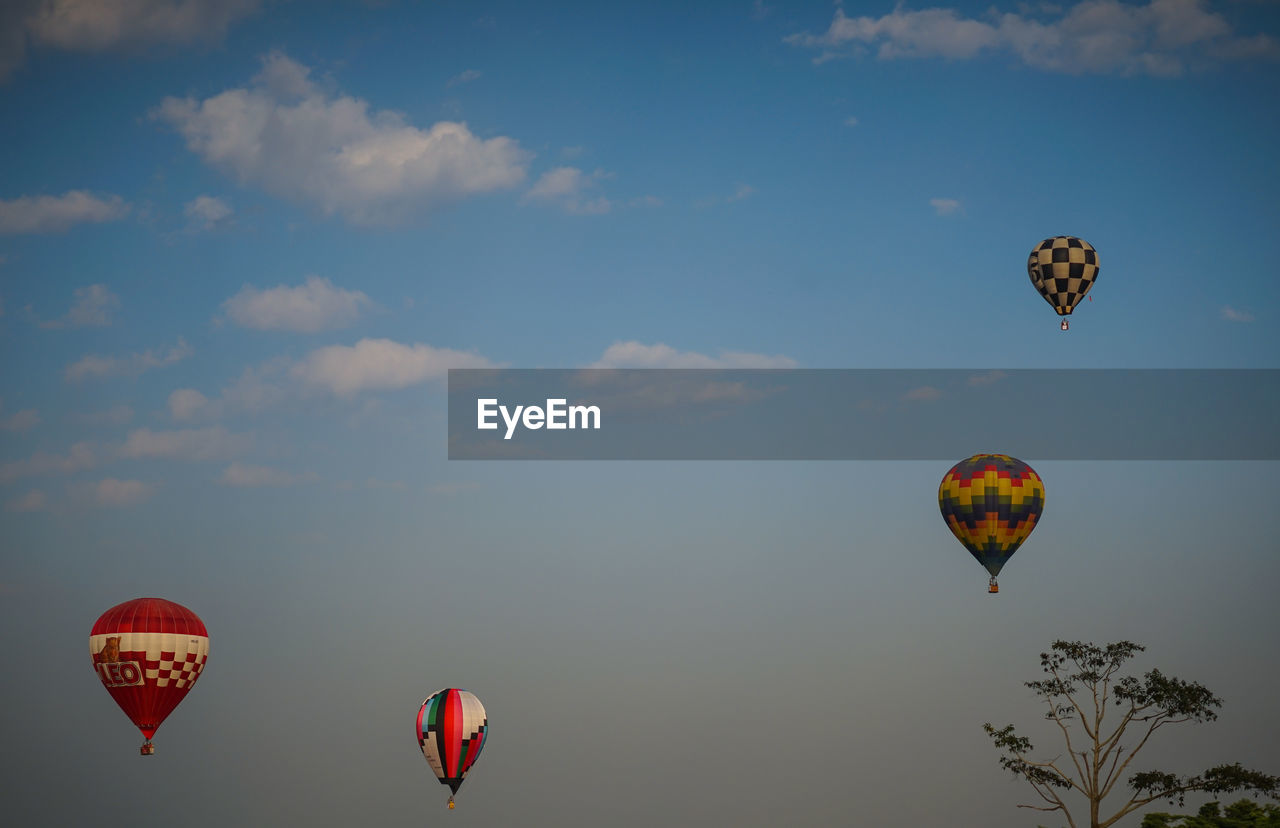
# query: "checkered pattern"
{"type": "Point", "coordinates": [991, 503]}
{"type": "Point", "coordinates": [1063, 269]}
{"type": "Point", "coordinates": [181, 671]}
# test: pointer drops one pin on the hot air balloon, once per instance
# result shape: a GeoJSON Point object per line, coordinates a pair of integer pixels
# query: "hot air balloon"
{"type": "Point", "coordinates": [148, 652]}
{"type": "Point", "coordinates": [991, 502]}
{"type": "Point", "coordinates": [452, 729]}
{"type": "Point", "coordinates": [1063, 268]}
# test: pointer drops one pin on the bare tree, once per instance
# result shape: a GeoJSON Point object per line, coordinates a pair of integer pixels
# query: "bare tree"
{"type": "Point", "coordinates": [1083, 685]}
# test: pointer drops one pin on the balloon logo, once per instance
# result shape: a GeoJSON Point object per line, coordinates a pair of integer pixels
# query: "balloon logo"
{"type": "Point", "coordinates": [991, 503]}
{"type": "Point", "coordinates": [1063, 268]}
{"type": "Point", "coordinates": [148, 653]}
{"type": "Point", "coordinates": [452, 729]}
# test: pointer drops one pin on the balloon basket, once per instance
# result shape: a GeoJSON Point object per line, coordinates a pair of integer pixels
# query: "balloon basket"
{"type": "Point", "coordinates": [147, 748]}
{"type": "Point", "coordinates": [992, 586]}
{"type": "Point", "coordinates": [1064, 325]}
{"type": "Point", "coordinates": [450, 803]}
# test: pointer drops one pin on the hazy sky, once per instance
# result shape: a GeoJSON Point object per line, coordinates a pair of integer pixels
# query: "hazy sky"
{"type": "Point", "coordinates": [241, 243]}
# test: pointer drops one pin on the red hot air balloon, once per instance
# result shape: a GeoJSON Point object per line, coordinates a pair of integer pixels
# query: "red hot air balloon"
{"type": "Point", "coordinates": [148, 652]}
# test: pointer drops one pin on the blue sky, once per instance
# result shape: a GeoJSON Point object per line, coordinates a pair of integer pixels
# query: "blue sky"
{"type": "Point", "coordinates": [242, 242]}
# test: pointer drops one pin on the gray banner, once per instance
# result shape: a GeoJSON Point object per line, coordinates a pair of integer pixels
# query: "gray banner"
{"type": "Point", "coordinates": [910, 414]}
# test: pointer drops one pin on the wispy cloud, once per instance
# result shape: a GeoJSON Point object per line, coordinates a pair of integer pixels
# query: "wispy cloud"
{"type": "Point", "coordinates": [115, 415]}
{"type": "Point", "coordinates": [246, 476]}
{"type": "Point", "coordinates": [206, 212]}
{"type": "Point", "coordinates": [1163, 37]}
{"type": "Point", "coordinates": [379, 365]}
{"type": "Point", "coordinates": [76, 25]}
{"type": "Point", "coordinates": [118, 493]}
{"type": "Point", "coordinates": [344, 371]}
{"type": "Point", "coordinates": [316, 305]}
{"type": "Point", "coordinates": [96, 366]}
{"type": "Point", "coordinates": [24, 420]}
{"type": "Point", "coordinates": [288, 136]}
{"type": "Point", "coordinates": [85, 26]}
{"type": "Point", "coordinates": [186, 404]}
{"type": "Point", "coordinates": [79, 457]}
{"type": "Point", "coordinates": [925, 393]}
{"type": "Point", "coordinates": [945, 206]}
{"type": "Point", "coordinates": [990, 377]}
{"type": "Point", "coordinates": [740, 193]}
{"type": "Point", "coordinates": [52, 214]}
{"type": "Point", "coordinates": [1235, 315]}
{"type": "Point", "coordinates": [32, 501]}
{"type": "Point", "coordinates": [185, 444]}
{"type": "Point", "coordinates": [453, 488]}
{"type": "Point", "coordinates": [638, 355]}
{"type": "Point", "coordinates": [465, 76]}
{"type": "Point", "coordinates": [565, 187]}
{"type": "Point", "coordinates": [91, 306]}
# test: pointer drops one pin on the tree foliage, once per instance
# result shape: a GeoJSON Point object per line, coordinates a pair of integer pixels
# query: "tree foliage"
{"type": "Point", "coordinates": [1082, 687]}
{"type": "Point", "coordinates": [1243, 814]}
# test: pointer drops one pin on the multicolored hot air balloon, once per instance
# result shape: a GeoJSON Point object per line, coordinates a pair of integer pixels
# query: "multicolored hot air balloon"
{"type": "Point", "coordinates": [148, 652]}
{"type": "Point", "coordinates": [991, 502]}
{"type": "Point", "coordinates": [1063, 268]}
{"type": "Point", "coordinates": [452, 730]}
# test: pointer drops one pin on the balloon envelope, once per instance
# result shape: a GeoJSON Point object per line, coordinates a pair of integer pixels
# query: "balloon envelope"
{"type": "Point", "coordinates": [1063, 268]}
{"type": "Point", "coordinates": [452, 729]}
{"type": "Point", "coordinates": [991, 503]}
{"type": "Point", "coordinates": [148, 653]}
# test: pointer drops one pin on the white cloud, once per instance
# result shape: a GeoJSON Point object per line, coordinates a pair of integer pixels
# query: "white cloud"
{"type": "Point", "coordinates": [286, 135]}
{"type": "Point", "coordinates": [94, 365]}
{"type": "Point", "coordinates": [184, 444]}
{"type": "Point", "coordinates": [315, 305]}
{"type": "Point", "coordinates": [638, 355]}
{"type": "Point", "coordinates": [1235, 315]}
{"type": "Point", "coordinates": [52, 214]}
{"type": "Point", "coordinates": [78, 458]}
{"type": "Point", "coordinates": [32, 501]}
{"type": "Point", "coordinates": [559, 182]}
{"type": "Point", "coordinates": [565, 187]}
{"type": "Point", "coordinates": [1094, 36]}
{"type": "Point", "coordinates": [944, 206]}
{"type": "Point", "coordinates": [465, 76]}
{"type": "Point", "coordinates": [186, 403]}
{"type": "Point", "coordinates": [206, 212]}
{"type": "Point", "coordinates": [112, 492]}
{"type": "Point", "coordinates": [92, 306]}
{"type": "Point", "coordinates": [851, 121]}
{"type": "Point", "coordinates": [247, 476]}
{"type": "Point", "coordinates": [379, 365]}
